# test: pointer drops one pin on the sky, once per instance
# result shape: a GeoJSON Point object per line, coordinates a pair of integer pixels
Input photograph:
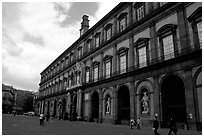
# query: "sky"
{"type": "Point", "coordinates": [34, 34]}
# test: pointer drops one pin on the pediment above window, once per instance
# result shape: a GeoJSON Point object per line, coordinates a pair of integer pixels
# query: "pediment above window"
{"type": "Point", "coordinates": [88, 40]}
{"type": "Point", "coordinates": [96, 63]}
{"type": "Point", "coordinates": [107, 57]}
{"type": "Point", "coordinates": [79, 47]}
{"type": "Point", "coordinates": [122, 50]}
{"type": "Point", "coordinates": [166, 28]}
{"type": "Point", "coordinates": [108, 26]}
{"type": "Point", "coordinates": [97, 34]}
{"type": "Point", "coordinates": [122, 15]}
{"type": "Point", "coordinates": [196, 14]}
{"type": "Point", "coordinates": [140, 41]}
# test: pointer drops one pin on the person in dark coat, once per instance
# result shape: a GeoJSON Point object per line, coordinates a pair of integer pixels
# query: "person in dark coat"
{"type": "Point", "coordinates": [172, 126]}
{"type": "Point", "coordinates": [155, 125]}
{"type": "Point", "coordinates": [48, 116]}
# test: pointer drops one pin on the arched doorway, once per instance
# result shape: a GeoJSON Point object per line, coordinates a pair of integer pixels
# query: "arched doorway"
{"type": "Point", "coordinates": [123, 105]}
{"type": "Point", "coordinates": [95, 107]}
{"type": "Point", "coordinates": [173, 100]}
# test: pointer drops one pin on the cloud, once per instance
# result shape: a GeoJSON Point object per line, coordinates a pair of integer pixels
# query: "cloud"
{"type": "Point", "coordinates": [34, 35]}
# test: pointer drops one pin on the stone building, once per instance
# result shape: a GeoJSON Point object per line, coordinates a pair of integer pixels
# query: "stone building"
{"type": "Point", "coordinates": [139, 60]}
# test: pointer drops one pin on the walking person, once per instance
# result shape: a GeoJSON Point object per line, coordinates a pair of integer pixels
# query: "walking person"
{"type": "Point", "coordinates": [138, 123]}
{"type": "Point", "coordinates": [42, 119]}
{"type": "Point", "coordinates": [172, 126]}
{"type": "Point", "coordinates": [132, 123]}
{"type": "Point", "coordinates": [155, 125]}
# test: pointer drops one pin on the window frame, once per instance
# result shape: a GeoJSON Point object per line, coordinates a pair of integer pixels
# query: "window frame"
{"type": "Point", "coordinates": [163, 32]}
{"type": "Point", "coordinates": [137, 6]}
{"type": "Point", "coordinates": [123, 51]}
{"type": "Point", "coordinates": [121, 17]}
{"type": "Point", "coordinates": [141, 43]}
{"type": "Point", "coordinates": [96, 65]}
{"type": "Point", "coordinates": [107, 59]}
{"type": "Point", "coordinates": [87, 76]}
{"type": "Point", "coordinates": [194, 19]}
{"type": "Point", "coordinates": [108, 28]}
{"type": "Point", "coordinates": [97, 36]}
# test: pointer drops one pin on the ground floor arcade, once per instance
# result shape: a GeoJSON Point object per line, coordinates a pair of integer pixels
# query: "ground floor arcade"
{"type": "Point", "coordinates": [174, 93]}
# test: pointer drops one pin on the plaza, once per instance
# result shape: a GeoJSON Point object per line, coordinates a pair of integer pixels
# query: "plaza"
{"type": "Point", "coordinates": [29, 125]}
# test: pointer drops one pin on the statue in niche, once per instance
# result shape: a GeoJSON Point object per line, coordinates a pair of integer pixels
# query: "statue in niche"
{"type": "Point", "coordinates": [145, 103]}
{"type": "Point", "coordinates": [108, 106]}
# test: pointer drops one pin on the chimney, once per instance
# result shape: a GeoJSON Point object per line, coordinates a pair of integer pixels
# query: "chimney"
{"type": "Point", "coordinates": [84, 25]}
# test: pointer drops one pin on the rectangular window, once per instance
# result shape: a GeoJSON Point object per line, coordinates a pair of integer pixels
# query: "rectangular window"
{"type": "Point", "coordinates": [168, 47]}
{"type": "Point", "coordinates": [71, 58]}
{"type": "Point", "coordinates": [78, 79]}
{"type": "Point", "coordinates": [87, 76]}
{"type": "Point", "coordinates": [88, 46]}
{"type": "Point", "coordinates": [97, 41]}
{"type": "Point", "coordinates": [70, 82]}
{"type": "Point", "coordinates": [122, 24]}
{"type": "Point", "coordinates": [96, 73]}
{"type": "Point", "coordinates": [199, 27]}
{"type": "Point", "coordinates": [142, 57]}
{"type": "Point", "coordinates": [140, 12]}
{"type": "Point", "coordinates": [108, 34]}
{"type": "Point", "coordinates": [123, 64]}
{"type": "Point", "coordinates": [108, 68]}
{"type": "Point", "coordinates": [80, 52]}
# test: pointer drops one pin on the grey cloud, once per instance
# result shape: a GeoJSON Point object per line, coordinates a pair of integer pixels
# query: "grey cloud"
{"type": "Point", "coordinates": [10, 45]}
{"type": "Point", "coordinates": [33, 39]}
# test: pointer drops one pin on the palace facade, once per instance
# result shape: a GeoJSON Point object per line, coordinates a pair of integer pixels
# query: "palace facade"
{"type": "Point", "coordinates": [139, 60]}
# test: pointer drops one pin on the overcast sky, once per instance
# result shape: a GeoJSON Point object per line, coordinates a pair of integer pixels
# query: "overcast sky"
{"type": "Point", "coordinates": [35, 34]}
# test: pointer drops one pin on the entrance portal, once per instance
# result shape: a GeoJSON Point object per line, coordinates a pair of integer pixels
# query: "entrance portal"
{"type": "Point", "coordinates": [173, 100]}
{"type": "Point", "coordinates": [123, 105]}
{"type": "Point", "coordinates": [95, 107]}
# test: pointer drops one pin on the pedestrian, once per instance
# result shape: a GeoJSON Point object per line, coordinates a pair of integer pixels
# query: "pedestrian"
{"type": "Point", "coordinates": [155, 125]}
{"type": "Point", "coordinates": [138, 123]}
{"type": "Point", "coordinates": [42, 119]}
{"type": "Point", "coordinates": [172, 126]}
{"type": "Point", "coordinates": [47, 116]}
{"type": "Point", "coordinates": [132, 123]}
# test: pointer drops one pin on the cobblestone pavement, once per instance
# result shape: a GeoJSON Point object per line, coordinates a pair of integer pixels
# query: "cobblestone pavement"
{"type": "Point", "coordinates": [29, 125]}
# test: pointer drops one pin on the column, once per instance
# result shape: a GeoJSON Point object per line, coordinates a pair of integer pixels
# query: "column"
{"type": "Point", "coordinates": [132, 101]}
{"type": "Point", "coordinates": [100, 107]}
{"type": "Point", "coordinates": [153, 46]}
{"type": "Point", "coordinates": [114, 59]}
{"type": "Point", "coordinates": [101, 66]}
{"type": "Point", "coordinates": [115, 105]}
{"type": "Point", "coordinates": [182, 28]}
{"type": "Point", "coordinates": [69, 105]}
{"type": "Point", "coordinates": [190, 103]}
{"type": "Point", "coordinates": [79, 104]}
{"type": "Point", "coordinates": [131, 52]}
{"type": "Point", "coordinates": [156, 98]}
